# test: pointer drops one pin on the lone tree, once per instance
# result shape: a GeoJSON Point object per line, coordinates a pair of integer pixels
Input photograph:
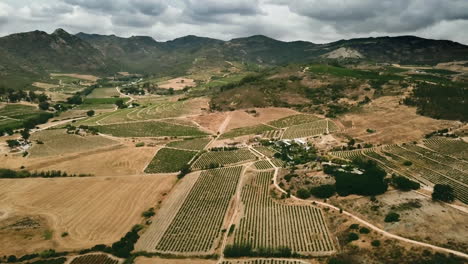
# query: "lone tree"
{"type": "Point", "coordinates": [120, 103]}
{"type": "Point", "coordinates": [443, 193]}
{"type": "Point", "coordinates": [90, 113]}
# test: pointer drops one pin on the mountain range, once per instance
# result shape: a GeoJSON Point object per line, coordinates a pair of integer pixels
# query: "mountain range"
{"type": "Point", "coordinates": [32, 55]}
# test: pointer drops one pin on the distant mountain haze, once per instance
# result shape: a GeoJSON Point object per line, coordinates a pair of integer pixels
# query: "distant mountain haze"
{"type": "Point", "coordinates": [25, 56]}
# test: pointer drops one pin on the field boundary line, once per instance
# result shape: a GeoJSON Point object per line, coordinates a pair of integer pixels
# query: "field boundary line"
{"type": "Point", "coordinates": [375, 228]}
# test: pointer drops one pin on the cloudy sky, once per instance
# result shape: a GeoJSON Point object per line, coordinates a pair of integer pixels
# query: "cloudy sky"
{"type": "Point", "coordinates": [318, 21]}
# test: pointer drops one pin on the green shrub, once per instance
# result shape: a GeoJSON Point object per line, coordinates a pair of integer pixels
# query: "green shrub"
{"type": "Point", "coordinates": [375, 243]}
{"type": "Point", "coordinates": [323, 191]}
{"type": "Point", "coordinates": [364, 230]}
{"type": "Point", "coordinates": [392, 217]}
{"type": "Point", "coordinates": [303, 193]}
{"type": "Point", "coordinates": [148, 213]}
{"type": "Point", "coordinates": [443, 193]}
{"type": "Point", "coordinates": [140, 144]}
{"type": "Point", "coordinates": [352, 237]}
{"type": "Point", "coordinates": [407, 163]}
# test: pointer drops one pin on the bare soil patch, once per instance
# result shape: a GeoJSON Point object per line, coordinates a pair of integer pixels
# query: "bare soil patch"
{"type": "Point", "coordinates": [17, 230]}
{"type": "Point", "coordinates": [391, 122]}
{"type": "Point", "coordinates": [421, 219]}
{"type": "Point", "coordinates": [92, 210]}
{"type": "Point", "coordinates": [177, 83]}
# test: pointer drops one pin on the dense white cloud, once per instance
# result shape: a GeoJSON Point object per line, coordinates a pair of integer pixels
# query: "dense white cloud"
{"type": "Point", "coordinates": [313, 20]}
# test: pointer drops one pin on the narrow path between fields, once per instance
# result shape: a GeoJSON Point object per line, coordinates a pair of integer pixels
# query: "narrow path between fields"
{"type": "Point", "coordinates": [362, 221]}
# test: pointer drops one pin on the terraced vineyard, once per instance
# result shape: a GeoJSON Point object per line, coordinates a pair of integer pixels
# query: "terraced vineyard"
{"type": "Point", "coordinates": [263, 165]}
{"type": "Point", "coordinates": [268, 224]}
{"type": "Point", "coordinates": [197, 225]}
{"type": "Point", "coordinates": [293, 120]}
{"type": "Point", "coordinates": [13, 115]}
{"type": "Point", "coordinates": [149, 129]}
{"type": "Point", "coordinates": [427, 166]}
{"type": "Point", "coordinates": [223, 158]}
{"type": "Point", "coordinates": [273, 134]}
{"type": "Point", "coordinates": [310, 129]}
{"type": "Point", "coordinates": [450, 147]}
{"type": "Point", "coordinates": [242, 131]}
{"type": "Point", "coordinates": [190, 144]}
{"type": "Point", "coordinates": [169, 160]}
{"type": "Point", "coordinates": [263, 261]}
{"type": "Point", "coordinates": [94, 259]}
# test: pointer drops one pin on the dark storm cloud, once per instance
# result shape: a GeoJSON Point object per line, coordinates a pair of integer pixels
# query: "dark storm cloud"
{"type": "Point", "coordinates": [381, 15]}
{"type": "Point", "coordinates": [318, 21]}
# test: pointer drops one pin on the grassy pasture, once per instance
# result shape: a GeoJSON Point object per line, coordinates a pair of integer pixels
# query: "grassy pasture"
{"type": "Point", "coordinates": [169, 160]}
{"type": "Point", "coordinates": [103, 93]}
{"type": "Point", "coordinates": [149, 129]}
{"type": "Point", "coordinates": [100, 101]}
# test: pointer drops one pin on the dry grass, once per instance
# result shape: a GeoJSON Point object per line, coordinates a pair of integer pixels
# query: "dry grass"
{"type": "Point", "coordinates": [392, 122]}
{"type": "Point", "coordinates": [58, 142]}
{"type": "Point", "coordinates": [177, 83]}
{"type": "Point", "coordinates": [45, 85]}
{"type": "Point", "coordinates": [92, 210]}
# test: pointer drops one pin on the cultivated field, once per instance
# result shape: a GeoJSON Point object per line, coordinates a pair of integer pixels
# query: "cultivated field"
{"type": "Point", "coordinates": [103, 93]}
{"type": "Point", "coordinates": [149, 129]}
{"type": "Point", "coordinates": [157, 260]}
{"type": "Point", "coordinates": [310, 129]}
{"type": "Point", "coordinates": [294, 120]}
{"type": "Point", "coordinates": [169, 160]}
{"type": "Point", "coordinates": [223, 158]}
{"type": "Point", "coordinates": [190, 144]}
{"type": "Point", "coordinates": [428, 166]}
{"type": "Point", "coordinates": [192, 222]}
{"type": "Point", "coordinates": [263, 261]}
{"type": "Point", "coordinates": [262, 165]}
{"type": "Point", "coordinates": [242, 131]}
{"type": "Point", "coordinates": [92, 210]}
{"type": "Point", "coordinates": [94, 259]}
{"type": "Point", "coordinates": [58, 142]}
{"type": "Point", "coordinates": [13, 115]}
{"type": "Point", "coordinates": [269, 224]}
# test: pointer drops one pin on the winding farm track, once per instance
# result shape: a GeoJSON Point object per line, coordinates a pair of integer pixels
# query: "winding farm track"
{"type": "Point", "coordinates": [362, 221]}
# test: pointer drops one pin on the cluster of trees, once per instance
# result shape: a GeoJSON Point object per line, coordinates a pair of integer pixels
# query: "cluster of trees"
{"type": "Point", "coordinates": [362, 177]}
{"type": "Point", "coordinates": [246, 250]}
{"type": "Point", "coordinates": [443, 193]}
{"type": "Point", "coordinates": [404, 184]}
{"type": "Point", "coordinates": [121, 248]}
{"type": "Point", "coordinates": [296, 153]}
{"type": "Point", "coordinates": [133, 90]}
{"type": "Point", "coordinates": [224, 148]}
{"type": "Point", "coordinates": [28, 123]}
{"type": "Point", "coordinates": [321, 191]}
{"type": "Point", "coordinates": [447, 101]}
{"type": "Point", "coordinates": [13, 96]}
{"type": "Point", "coordinates": [12, 174]}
